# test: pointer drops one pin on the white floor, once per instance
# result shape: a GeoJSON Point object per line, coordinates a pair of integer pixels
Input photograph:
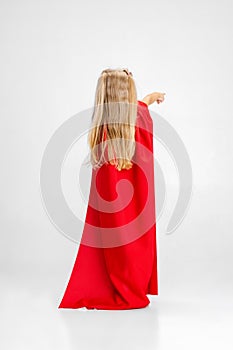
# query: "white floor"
{"type": "Point", "coordinates": [31, 320]}
{"type": "Point", "coordinates": [194, 309]}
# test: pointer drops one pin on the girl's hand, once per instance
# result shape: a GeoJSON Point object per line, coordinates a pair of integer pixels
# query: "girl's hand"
{"type": "Point", "coordinates": [154, 97]}
{"type": "Point", "coordinates": [159, 97]}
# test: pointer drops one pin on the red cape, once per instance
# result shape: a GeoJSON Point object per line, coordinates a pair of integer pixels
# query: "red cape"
{"type": "Point", "coordinates": [120, 274]}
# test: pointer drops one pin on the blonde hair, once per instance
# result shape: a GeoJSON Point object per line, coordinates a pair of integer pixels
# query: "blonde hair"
{"type": "Point", "coordinates": [114, 116]}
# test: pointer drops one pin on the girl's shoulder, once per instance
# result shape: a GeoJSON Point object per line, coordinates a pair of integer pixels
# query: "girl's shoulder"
{"type": "Point", "coordinates": [141, 103]}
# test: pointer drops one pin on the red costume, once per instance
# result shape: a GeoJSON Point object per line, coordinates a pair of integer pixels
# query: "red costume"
{"type": "Point", "coordinates": [120, 274]}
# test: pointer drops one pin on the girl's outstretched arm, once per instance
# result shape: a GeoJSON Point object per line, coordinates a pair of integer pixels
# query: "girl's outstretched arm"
{"type": "Point", "coordinates": [154, 97]}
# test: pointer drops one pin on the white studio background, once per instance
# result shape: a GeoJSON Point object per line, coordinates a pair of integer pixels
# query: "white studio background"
{"type": "Point", "coordinates": [52, 53]}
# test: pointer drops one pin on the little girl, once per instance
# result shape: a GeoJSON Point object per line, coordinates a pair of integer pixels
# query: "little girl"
{"type": "Point", "coordinates": [116, 262]}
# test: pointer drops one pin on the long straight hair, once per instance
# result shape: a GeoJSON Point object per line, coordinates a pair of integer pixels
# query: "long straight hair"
{"type": "Point", "coordinates": [113, 120]}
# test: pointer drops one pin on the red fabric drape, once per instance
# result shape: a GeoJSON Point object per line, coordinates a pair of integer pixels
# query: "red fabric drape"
{"type": "Point", "coordinates": [118, 277]}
